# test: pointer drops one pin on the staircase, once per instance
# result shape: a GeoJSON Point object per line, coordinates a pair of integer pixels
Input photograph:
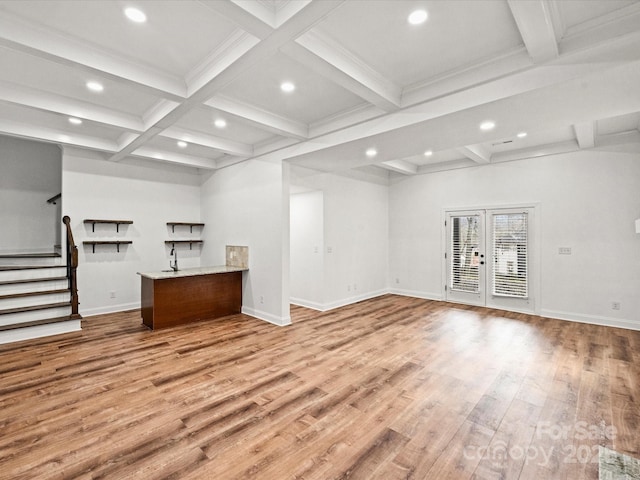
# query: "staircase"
{"type": "Point", "coordinates": [37, 293]}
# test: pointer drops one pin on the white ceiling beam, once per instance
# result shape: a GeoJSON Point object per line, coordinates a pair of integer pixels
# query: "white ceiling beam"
{"type": "Point", "coordinates": [271, 145]}
{"type": "Point", "coordinates": [585, 134]}
{"type": "Point", "coordinates": [20, 129]}
{"type": "Point", "coordinates": [332, 60]}
{"type": "Point", "coordinates": [41, 100]}
{"type": "Point", "coordinates": [221, 58]}
{"type": "Point", "coordinates": [400, 166]}
{"type": "Point", "coordinates": [533, 19]}
{"type": "Point", "coordinates": [246, 20]}
{"type": "Point", "coordinates": [467, 77]}
{"type": "Point", "coordinates": [258, 10]}
{"type": "Point", "coordinates": [171, 157]}
{"type": "Point", "coordinates": [602, 30]}
{"type": "Point", "coordinates": [614, 139]}
{"type": "Point", "coordinates": [443, 166]}
{"type": "Point", "coordinates": [305, 19]}
{"type": "Point", "coordinates": [267, 120]}
{"type": "Point", "coordinates": [50, 45]}
{"type": "Point", "coordinates": [289, 9]}
{"type": "Point", "coordinates": [158, 112]}
{"type": "Point", "coordinates": [361, 113]}
{"type": "Point", "coordinates": [527, 83]}
{"type": "Point", "coordinates": [477, 153]}
{"type": "Point", "coordinates": [221, 144]}
{"type": "Point", "coordinates": [537, 151]}
{"type": "Point", "coordinates": [275, 16]}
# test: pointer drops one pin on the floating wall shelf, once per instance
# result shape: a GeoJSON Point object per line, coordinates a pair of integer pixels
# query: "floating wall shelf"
{"type": "Point", "coordinates": [117, 223]}
{"type": "Point", "coordinates": [117, 243]}
{"type": "Point", "coordinates": [184, 224]}
{"type": "Point", "coordinates": [190, 242]}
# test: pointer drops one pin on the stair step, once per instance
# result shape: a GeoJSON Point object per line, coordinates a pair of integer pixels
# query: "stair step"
{"type": "Point", "coordinates": [27, 267]}
{"type": "Point", "coordinates": [30, 255]}
{"type": "Point", "coordinates": [33, 294]}
{"type": "Point", "coordinates": [34, 323]}
{"type": "Point", "coordinates": [33, 280]}
{"type": "Point", "coordinates": [34, 308]}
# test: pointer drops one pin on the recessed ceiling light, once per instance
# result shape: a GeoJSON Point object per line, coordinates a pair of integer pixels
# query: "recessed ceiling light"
{"type": "Point", "coordinates": [287, 87]}
{"type": "Point", "coordinates": [428, 153]}
{"type": "Point", "coordinates": [220, 123]}
{"type": "Point", "coordinates": [371, 152]}
{"type": "Point", "coordinates": [95, 86]}
{"type": "Point", "coordinates": [75, 121]}
{"type": "Point", "coordinates": [522, 134]}
{"type": "Point", "coordinates": [135, 15]}
{"type": "Point", "coordinates": [488, 125]}
{"type": "Point", "coordinates": [182, 144]}
{"type": "Point", "coordinates": [417, 17]}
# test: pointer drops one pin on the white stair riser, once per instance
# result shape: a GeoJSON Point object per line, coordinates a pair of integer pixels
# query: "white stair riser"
{"type": "Point", "coordinates": [15, 318]}
{"type": "Point", "coordinates": [39, 331]}
{"type": "Point", "coordinates": [34, 300]}
{"type": "Point", "coordinates": [31, 261]}
{"type": "Point", "coordinates": [7, 275]}
{"type": "Point", "coordinates": [33, 287]}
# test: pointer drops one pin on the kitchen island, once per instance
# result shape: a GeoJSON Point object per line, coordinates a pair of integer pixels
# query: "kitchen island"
{"type": "Point", "coordinates": [170, 298]}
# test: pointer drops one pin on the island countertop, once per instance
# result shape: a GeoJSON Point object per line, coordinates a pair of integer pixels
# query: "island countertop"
{"type": "Point", "coordinates": [191, 272]}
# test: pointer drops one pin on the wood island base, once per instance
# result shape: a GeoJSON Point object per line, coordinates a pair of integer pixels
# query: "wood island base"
{"type": "Point", "coordinates": [177, 300]}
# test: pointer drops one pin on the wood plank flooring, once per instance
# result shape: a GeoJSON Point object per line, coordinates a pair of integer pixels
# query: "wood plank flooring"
{"type": "Point", "coordinates": [390, 388]}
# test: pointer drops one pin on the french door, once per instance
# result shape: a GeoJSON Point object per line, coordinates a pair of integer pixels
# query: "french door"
{"type": "Point", "coordinates": [489, 258]}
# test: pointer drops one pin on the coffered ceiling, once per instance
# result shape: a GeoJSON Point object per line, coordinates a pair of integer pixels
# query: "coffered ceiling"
{"type": "Point", "coordinates": [198, 83]}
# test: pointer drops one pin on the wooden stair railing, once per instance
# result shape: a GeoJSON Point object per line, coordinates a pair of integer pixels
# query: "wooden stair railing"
{"type": "Point", "coordinates": [72, 266]}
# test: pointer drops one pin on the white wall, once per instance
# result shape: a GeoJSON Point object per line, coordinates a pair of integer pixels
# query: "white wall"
{"type": "Point", "coordinates": [307, 249]}
{"type": "Point", "coordinates": [248, 204]}
{"type": "Point", "coordinates": [151, 197]}
{"type": "Point", "coordinates": [355, 238]}
{"type": "Point", "coordinates": [30, 174]}
{"type": "Point", "coordinates": [587, 201]}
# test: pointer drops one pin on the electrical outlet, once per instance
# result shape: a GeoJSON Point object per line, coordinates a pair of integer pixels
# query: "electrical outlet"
{"type": "Point", "coordinates": [261, 299]}
{"type": "Point", "coordinates": [615, 305]}
{"type": "Point", "coordinates": [397, 280]}
{"type": "Point", "coordinates": [564, 250]}
{"type": "Point", "coordinates": [113, 294]}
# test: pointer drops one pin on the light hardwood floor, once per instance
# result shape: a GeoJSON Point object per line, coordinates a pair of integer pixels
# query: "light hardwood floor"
{"type": "Point", "coordinates": [389, 388]}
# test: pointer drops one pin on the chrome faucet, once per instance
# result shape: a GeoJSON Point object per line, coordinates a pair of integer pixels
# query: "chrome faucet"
{"type": "Point", "coordinates": [174, 253]}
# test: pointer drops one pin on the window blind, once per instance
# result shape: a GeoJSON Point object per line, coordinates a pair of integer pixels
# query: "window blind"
{"type": "Point", "coordinates": [464, 263]}
{"type": "Point", "coordinates": [510, 255]}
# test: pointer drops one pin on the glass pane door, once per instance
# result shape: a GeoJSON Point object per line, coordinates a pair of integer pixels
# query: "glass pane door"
{"type": "Point", "coordinates": [509, 259]}
{"type": "Point", "coordinates": [490, 248]}
{"type": "Point", "coordinates": [465, 257]}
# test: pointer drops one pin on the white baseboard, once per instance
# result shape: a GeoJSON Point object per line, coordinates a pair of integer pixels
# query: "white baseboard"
{"type": "Point", "coordinates": [39, 331]}
{"type": "Point", "coordinates": [323, 307]}
{"type": "Point", "coordinates": [123, 307]}
{"type": "Point", "coordinates": [592, 319]}
{"type": "Point", "coordinates": [354, 299]}
{"type": "Point", "coordinates": [267, 317]}
{"type": "Point", "coordinates": [416, 294]}
{"type": "Point", "coordinates": [306, 303]}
